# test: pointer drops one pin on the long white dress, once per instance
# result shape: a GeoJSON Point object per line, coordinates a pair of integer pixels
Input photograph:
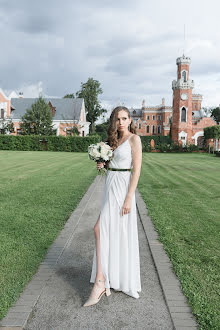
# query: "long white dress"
{"type": "Point", "coordinates": [119, 246]}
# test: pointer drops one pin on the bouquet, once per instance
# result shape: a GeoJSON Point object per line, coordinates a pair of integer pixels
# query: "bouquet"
{"type": "Point", "coordinates": [100, 152]}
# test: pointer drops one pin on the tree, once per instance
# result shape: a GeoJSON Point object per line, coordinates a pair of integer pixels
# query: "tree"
{"type": "Point", "coordinates": [6, 126]}
{"type": "Point", "coordinates": [212, 132]}
{"type": "Point", "coordinates": [215, 113]}
{"type": "Point", "coordinates": [69, 96]}
{"type": "Point", "coordinates": [102, 129]}
{"type": "Point", "coordinates": [89, 92]}
{"type": "Point", "coordinates": [75, 131]}
{"type": "Point", "coordinates": [37, 120]}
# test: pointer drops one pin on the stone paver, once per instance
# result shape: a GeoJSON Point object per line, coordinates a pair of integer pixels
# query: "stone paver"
{"type": "Point", "coordinates": [54, 297]}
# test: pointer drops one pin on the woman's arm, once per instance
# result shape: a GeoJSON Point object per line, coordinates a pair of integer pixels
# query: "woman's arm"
{"type": "Point", "coordinates": [136, 147]}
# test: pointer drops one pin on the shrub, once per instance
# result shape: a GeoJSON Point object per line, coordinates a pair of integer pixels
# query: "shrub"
{"type": "Point", "coordinates": [47, 143]}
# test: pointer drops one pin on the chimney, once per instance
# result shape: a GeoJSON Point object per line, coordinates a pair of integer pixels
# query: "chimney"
{"type": "Point", "coordinates": [20, 95]}
{"type": "Point", "coordinates": [163, 102]}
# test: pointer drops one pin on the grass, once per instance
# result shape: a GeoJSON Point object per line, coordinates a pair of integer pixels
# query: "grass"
{"type": "Point", "coordinates": [38, 192]}
{"type": "Point", "coordinates": [182, 193]}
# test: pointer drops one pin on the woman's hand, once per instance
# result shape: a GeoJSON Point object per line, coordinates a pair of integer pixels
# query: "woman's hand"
{"type": "Point", "coordinates": [126, 208]}
{"type": "Point", "coordinates": [100, 165]}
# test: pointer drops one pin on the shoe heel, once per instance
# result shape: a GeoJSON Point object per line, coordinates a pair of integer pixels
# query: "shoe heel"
{"type": "Point", "coordinates": [107, 292]}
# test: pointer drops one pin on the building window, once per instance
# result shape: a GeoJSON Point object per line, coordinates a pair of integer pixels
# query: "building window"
{"type": "Point", "coordinates": [183, 115]}
{"type": "Point", "coordinates": [195, 107]}
{"type": "Point", "coordinates": [2, 113]}
{"type": "Point", "coordinates": [159, 129]}
{"type": "Point", "coordinates": [153, 129]}
{"type": "Point", "coordinates": [159, 117]}
{"type": "Point", "coordinates": [148, 129]}
{"type": "Point", "coordinates": [68, 132]}
{"type": "Point", "coordinates": [184, 76]}
{"type": "Point", "coordinates": [139, 126]}
{"type": "Point", "coordinates": [153, 117]}
{"type": "Point", "coordinates": [134, 112]}
{"type": "Point", "coordinates": [148, 117]}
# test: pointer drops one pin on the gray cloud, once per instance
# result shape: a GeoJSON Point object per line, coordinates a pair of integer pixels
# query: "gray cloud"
{"type": "Point", "coordinates": [130, 47]}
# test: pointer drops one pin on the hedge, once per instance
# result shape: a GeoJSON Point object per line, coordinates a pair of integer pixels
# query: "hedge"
{"type": "Point", "coordinates": [212, 132]}
{"type": "Point", "coordinates": [80, 144]}
{"type": "Point", "coordinates": [47, 143]}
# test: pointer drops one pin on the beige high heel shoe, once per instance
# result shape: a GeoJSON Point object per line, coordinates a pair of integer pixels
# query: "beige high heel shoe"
{"type": "Point", "coordinates": [93, 301]}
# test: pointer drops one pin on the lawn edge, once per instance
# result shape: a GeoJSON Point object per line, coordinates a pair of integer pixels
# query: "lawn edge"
{"type": "Point", "coordinates": [177, 304]}
{"type": "Point", "coordinates": [21, 311]}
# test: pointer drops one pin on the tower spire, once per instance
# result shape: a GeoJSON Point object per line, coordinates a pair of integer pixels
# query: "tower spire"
{"type": "Point", "coordinates": [184, 40]}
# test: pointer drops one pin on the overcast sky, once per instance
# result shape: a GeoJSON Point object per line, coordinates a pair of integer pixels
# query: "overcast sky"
{"type": "Point", "coordinates": [129, 46]}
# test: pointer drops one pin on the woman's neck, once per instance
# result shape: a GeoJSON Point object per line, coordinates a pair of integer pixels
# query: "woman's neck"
{"type": "Point", "coordinates": [124, 134]}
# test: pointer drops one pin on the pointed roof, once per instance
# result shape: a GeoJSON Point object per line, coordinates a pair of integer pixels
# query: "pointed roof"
{"type": "Point", "coordinates": [66, 108]}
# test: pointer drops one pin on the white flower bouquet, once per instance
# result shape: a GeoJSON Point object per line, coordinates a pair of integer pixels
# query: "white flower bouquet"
{"type": "Point", "coordinates": [100, 152]}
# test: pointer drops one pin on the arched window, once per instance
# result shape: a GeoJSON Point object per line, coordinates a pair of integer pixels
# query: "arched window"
{"type": "Point", "coordinates": [184, 76]}
{"type": "Point", "coordinates": [183, 114]}
{"type": "Point", "coordinates": [148, 129]}
{"type": "Point", "coordinates": [139, 125]}
{"type": "Point", "coordinates": [153, 129]}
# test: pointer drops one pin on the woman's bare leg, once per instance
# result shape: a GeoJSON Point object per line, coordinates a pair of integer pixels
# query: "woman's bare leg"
{"type": "Point", "coordinates": [99, 274]}
{"type": "Point", "coordinates": [98, 286]}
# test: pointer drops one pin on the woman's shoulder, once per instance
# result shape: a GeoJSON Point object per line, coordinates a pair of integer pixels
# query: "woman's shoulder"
{"type": "Point", "coordinates": [135, 139]}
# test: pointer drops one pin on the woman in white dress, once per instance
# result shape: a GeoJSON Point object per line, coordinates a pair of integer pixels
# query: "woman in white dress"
{"type": "Point", "coordinates": [116, 262]}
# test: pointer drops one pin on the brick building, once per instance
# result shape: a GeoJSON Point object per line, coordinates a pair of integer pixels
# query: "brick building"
{"type": "Point", "coordinates": [186, 114]}
{"type": "Point", "coordinates": [152, 120]}
{"type": "Point", "coordinates": [66, 113]}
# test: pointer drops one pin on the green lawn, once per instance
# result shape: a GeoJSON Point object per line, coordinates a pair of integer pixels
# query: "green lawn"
{"type": "Point", "coordinates": [38, 192]}
{"type": "Point", "coordinates": [182, 193]}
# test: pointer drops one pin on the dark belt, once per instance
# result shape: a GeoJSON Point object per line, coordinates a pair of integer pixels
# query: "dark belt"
{"type": "Point", "coordinates": [119, 169]}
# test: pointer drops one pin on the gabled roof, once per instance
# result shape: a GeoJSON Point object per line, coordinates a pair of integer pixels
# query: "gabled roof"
{"type": "Point", "coordinates": [66, 108]}
{"type": "Point", "coordinates": [199, 113]}
{"type": "Point", "coordinates": [135, 112]}
{"type": "Point", "coordinates": [5, 96]}
{"type": "Point", "coordinates": [13, 94]}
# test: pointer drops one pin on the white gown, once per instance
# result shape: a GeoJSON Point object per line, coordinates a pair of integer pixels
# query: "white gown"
{"type": "Point", "coordinates": [119, 246]}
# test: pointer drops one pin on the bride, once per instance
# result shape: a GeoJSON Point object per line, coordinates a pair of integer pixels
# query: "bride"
{"type": "Point", "coordinates": [116, 256]}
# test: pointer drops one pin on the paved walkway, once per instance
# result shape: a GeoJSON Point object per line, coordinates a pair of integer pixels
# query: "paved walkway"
{"type": "Point", "coordinates": [54, 297]}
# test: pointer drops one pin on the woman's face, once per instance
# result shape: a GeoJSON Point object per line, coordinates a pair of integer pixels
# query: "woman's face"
{"type": "Point", "coordinates": [123, 121]}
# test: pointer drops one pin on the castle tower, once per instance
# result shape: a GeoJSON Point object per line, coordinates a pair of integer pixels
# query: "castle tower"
{"type": "Point", "coordinates": [182, 102]}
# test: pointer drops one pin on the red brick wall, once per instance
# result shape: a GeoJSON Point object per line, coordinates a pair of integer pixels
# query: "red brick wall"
{"type": "Point", "coordinates": [182, 67]}
{"type": "Point", "coordinates": [196, 105]}
{"type": "Point", "coordinates": [177, 125]}
{"type": "Point", "coordinates": [164, 117]}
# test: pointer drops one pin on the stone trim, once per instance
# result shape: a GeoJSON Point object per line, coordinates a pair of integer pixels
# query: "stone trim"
{"type": "Point", "coordinates": [180, 311]}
